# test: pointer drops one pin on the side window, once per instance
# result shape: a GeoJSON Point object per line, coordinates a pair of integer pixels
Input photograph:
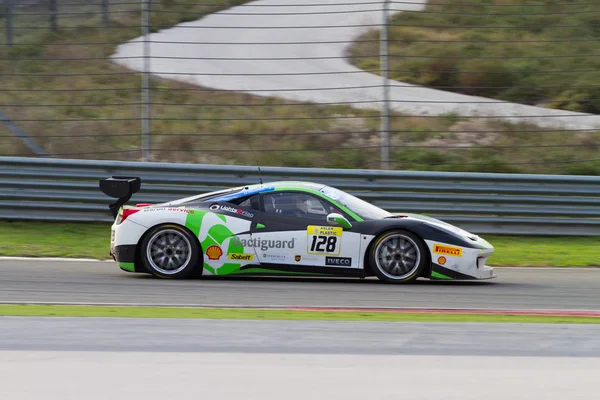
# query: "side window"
{"type": "Point", "coordinates": [252, 202]}
{"type": "Point", "coordinates": [301, 205]}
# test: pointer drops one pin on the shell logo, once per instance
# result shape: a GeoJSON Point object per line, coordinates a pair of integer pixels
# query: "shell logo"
{"type": "Point", "coordinates": [442, 260]}
{"type": "Point", "coordinates": [214, 252]}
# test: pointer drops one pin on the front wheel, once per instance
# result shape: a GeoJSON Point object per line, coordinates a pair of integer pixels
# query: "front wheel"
{"type": "Point", "coordinates": [398, 257]}
{"type": "Point", "coordinates": [170, 251]}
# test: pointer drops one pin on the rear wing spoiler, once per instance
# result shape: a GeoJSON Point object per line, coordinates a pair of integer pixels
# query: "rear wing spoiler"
{"type": "Point", "coordinates": [121, 188]}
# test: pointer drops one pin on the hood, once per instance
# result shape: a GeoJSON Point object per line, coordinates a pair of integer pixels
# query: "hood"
{"type": "Point", "coordinates": [437, 223]}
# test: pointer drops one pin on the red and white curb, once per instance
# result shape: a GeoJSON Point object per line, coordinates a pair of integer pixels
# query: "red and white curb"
{"type": "Point", "coordinates": [462, 311]}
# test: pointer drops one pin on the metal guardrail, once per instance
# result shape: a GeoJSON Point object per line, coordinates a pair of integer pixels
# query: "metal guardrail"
{"type": "Point", "coordinates": [67, 190]}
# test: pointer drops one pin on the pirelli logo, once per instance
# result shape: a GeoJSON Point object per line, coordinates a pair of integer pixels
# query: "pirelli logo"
{"type": "Point", "coordinates": [447, 250]}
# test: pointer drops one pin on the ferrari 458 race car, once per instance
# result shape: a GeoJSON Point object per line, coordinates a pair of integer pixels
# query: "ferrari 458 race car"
{"type": "Point", "coordinates": [291, 228]}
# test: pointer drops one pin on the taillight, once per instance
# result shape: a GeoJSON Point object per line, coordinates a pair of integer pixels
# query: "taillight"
{"type": "Point", "coordinates": [127, 212]}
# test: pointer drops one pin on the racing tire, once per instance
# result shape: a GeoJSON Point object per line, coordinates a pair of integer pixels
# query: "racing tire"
{"type": "Point", "coordinates": [171, 251]}
{"type": "Point", "coordinates": [398, 257]}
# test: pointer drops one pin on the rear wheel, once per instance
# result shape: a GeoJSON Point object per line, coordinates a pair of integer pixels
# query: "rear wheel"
{"type": "Point", "coordinates": [398, 257]}
{"type": "Point", "coordinates": [170, 251]}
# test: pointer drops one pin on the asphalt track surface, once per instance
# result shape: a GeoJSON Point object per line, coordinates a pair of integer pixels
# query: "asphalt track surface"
{"type": "Point", "coordinates": [104, 282]}
{"type": "Point", "coordinates": [191, 359]}
{"type": "Point", "coordinates": [213, 52]}
{"type": "Point", "coordinates": [298, 337]}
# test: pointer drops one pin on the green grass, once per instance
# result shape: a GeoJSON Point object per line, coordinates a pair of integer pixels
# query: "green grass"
{"type": "Point", "coordinates": [483, 61]}
{"type": "Point", "coordinates": [189, 123]}
{"type": "Point", "coordinates": [47, 239]}
{"type": "Point", "coordinates": [197, 125]}
{"type": "Point", "coordinates": [249, 314]}
{"type": "Point", "coordinates": [50, 239]}
{"type": "Point", "coordinates": [477, 63]}
{"type": "Point", "coordinates": [545, 251]}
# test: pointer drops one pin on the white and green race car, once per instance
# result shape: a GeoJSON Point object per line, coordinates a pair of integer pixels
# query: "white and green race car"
{"type": "Point", "coordinates": [292, 228]}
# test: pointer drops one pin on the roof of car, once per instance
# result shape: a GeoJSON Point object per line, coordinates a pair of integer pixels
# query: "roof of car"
{"type": "Point", "coordinates": [278, 184]}
{"type": "Point", "coordinates": [242, 191]}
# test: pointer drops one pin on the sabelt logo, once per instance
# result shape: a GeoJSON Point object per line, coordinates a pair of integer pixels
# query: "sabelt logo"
{"type": "Point", "coordinates": [214, 252]}
{"type": "Point", "coordinates": [447, 250]}
{"type": "Point", "coordinates": [241, 257]}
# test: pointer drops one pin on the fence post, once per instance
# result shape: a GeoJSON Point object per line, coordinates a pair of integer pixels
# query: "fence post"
{"type": "Point", "coordinates": [9, 22]}
{"type": "Point", "coordinates": [53, 15]}
{"type": "Point", "coordinates": [105, 12]}
{"type": "Point", "coordinates": [384, 70]}
{"type": "Point", "coordinates": [146, 81]}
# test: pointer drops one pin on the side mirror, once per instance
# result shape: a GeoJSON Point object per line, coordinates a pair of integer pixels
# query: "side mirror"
{"type": "Point", "coordinates": [339, 219]}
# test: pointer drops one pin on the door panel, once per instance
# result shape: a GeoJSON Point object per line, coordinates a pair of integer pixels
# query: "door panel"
{"type": "Point", "coordinates": [293, 230]}
{"type": "Point", "coordinates": [304, 242]}
{"type": "Point", "coordinates": [331, 246]}
{"type": "Point", "coordinates": [276, 240]}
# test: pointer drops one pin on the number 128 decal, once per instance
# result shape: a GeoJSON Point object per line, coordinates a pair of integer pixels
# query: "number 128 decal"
{"type": "Point", "coordinates": [324, 240]}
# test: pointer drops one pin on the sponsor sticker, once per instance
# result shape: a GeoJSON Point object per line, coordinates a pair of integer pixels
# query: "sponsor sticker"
{"type": "Point", "coordinates": [264, 244]}
{"type": "Point", "coordinates": [324, 230]}
{"type": "Point", "coordinates": [181, 209]}
{"type": "Point", "coordinates": [297, 257]}
{"type": "Point", "coordinates": [447, 250]}
{"type": "Point", "coordinates": [241, 257]}
{"type": "Point", "coordinates": [233, 210]}
{"type": "Point", "coordinates": [324, 239]}
{"type": "Point", "coordinates": [339, 261]}
{"type": "Point", "coordinates": [441, 260]}
{"type": "Point", "coordinates": [214, 252]}
{"type": "Point", "coordinates": [275, 257]}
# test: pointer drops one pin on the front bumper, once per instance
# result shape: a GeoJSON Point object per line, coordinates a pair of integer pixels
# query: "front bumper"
{"type": "Point", "coordinates": [460, 263]}
{"type": "Point", "coordinates": [485, 272]}
{"type": "Point", "coordinates": [439, 272]}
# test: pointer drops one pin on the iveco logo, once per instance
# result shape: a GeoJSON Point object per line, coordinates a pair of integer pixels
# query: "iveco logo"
{"type": "Point", "coordinates": [345, 261]}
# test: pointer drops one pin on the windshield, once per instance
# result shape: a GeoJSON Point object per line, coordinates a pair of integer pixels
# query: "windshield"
{"type": "Point", "coordinates": [360, 207]}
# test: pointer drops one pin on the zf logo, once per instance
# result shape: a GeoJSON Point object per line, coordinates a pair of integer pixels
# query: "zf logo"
{"type": "Point", "coordinates": [345, 261]}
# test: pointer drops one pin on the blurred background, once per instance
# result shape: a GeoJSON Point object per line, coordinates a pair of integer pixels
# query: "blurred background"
{"type": "Point", "coordinates": [508, 86]}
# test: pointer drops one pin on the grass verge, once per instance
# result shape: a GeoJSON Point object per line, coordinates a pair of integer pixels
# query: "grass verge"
{"type": "Point", "coordinates": [216, 313]}
{"type": "Point", "coordinates": [47, 239]}
{"type": "Point", "coordinates": [545, 54]}
{"type": "Point", "coordinates": [534, 52]}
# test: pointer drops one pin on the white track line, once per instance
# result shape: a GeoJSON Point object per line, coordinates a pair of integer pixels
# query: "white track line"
{"type": "Point", "coordinates": [224, 27]}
